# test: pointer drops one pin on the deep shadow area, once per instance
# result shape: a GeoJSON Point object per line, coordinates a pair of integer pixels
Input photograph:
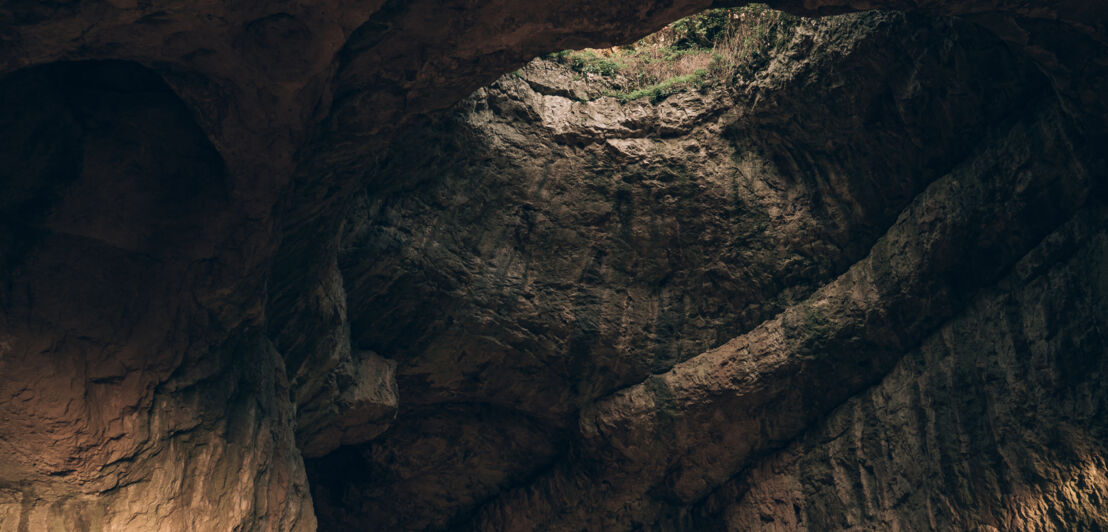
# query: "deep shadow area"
{"type": "Point", "coordinates": [112, 136]}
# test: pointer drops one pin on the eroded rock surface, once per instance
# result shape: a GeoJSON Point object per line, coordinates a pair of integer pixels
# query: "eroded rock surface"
{"type": "Point", "coordinates": [124, 404]}
{"type": "Point", "coordinates": [566, 205]}
{"type": "Point", "coordinates": [994, 422]}
{"type": "Point", "coordinates": [821, 298]}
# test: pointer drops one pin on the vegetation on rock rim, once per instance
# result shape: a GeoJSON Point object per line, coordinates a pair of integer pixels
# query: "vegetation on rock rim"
{"type": "Point", "coordinates": [715, 45]}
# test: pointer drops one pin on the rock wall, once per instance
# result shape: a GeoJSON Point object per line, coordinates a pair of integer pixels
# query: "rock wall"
{"type": "Point", "coordinates": [126, 405]}
{"type": "Point", "coordinates": [233, 237]}
{"type": "Point", "coordinates": [994, 423]}
{"type": "Point", "coordinates": [542, 247]}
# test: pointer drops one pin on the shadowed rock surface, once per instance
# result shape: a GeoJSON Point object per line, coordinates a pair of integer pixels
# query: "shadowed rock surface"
{"type": "Point", "coordinates": [270, 268]}
{"type": "Point", "coordinates": [994, 422]}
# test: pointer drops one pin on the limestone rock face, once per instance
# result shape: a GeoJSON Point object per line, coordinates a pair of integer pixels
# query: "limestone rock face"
{"type": "Point", "coordinates": [994, 422]}
{"type": "Point", "coordinates": [126, 405]}
{"type": "Point", "coordinates": [276, 266]}
{"type": "Point", "coordinates": [540, 249]}
{"type": "Point", "coordinates": [363, 410]}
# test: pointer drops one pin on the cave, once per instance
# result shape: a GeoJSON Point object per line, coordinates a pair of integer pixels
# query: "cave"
{"type": "Point", "coordinates": [514, 266]}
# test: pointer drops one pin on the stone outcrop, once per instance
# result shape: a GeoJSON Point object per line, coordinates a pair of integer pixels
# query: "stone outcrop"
{"type": "Point", "coordinates": [995, 422]}
{"type": "Point", "coordinates": [861, 289]}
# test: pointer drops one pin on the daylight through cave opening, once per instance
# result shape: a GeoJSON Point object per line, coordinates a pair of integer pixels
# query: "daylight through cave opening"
{"type": "Point", "coordinates": [563, 262]}
{"type": "Point", "coordinates": [298, 267]}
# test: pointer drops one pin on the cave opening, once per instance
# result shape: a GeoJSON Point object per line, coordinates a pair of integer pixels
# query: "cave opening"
{"type": "Point", "coordinates": [350, 267]}
{"type": "Point", "coordinates": [584, 227]}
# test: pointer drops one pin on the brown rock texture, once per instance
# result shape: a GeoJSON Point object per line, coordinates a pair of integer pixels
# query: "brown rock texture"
{"type": "Point", "coordinates": [125, 404]}
{"type": "Point", "coordinates": [992, 423]}
{"type": "Point", "coordinates": [266, 266]}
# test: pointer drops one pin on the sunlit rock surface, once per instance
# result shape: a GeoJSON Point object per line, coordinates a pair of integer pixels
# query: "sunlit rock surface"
{"type": "Point", "coordinates": [862, 289]}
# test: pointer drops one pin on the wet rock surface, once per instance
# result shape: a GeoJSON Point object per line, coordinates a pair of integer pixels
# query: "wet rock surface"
{"type": "Point", "coordinates": [262, 271]}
